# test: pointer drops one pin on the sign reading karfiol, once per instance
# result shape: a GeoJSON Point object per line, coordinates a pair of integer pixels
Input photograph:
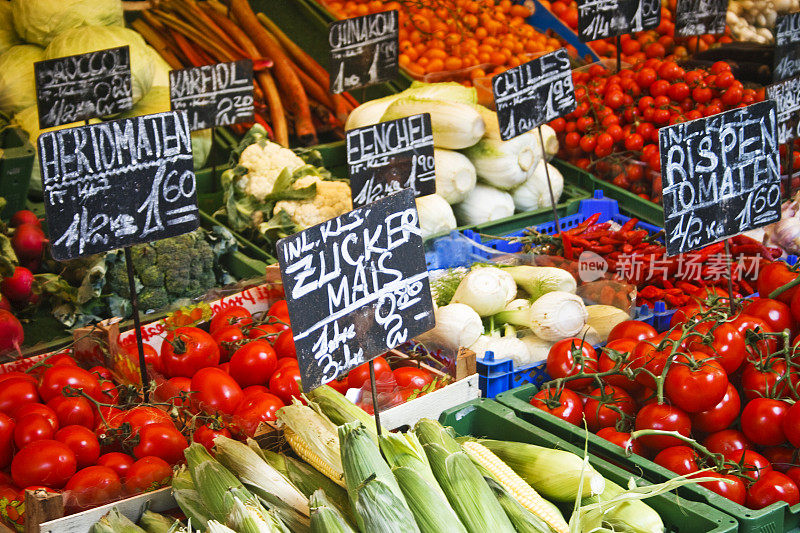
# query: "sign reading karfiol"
{"type": "Point", "coordinates": [214, 95]}
{"type": "Point", "coordinates": [356, 286]}
{"type": "Point", "coordinates": [787, 97]}
{"type": "Point", "coordinates": [699, 17]}
{"type": "Point", "coordinates": [721, 176]}
{"type": "Point", "coordinates": [787, 47]}
{"type": "Point", "coordinates": [387, 157]}
{"type": "Point", "coordinates": [532, 94]}
{"type": "Point", "coordinates": [75, 88]}
{"type": "Point", "coordinates": [363, 51]}
{"type": "Point", "coordinates": [118, 183]}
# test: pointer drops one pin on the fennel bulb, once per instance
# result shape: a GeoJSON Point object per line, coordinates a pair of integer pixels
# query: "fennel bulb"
{"type": "Point", "coordinates": [487, 290]}
{"type": "Point", "coordinates": [534, 192]}
{"type": "Point", "coordinates": [557, 315]}
{"type": "Point", "coordinates": [506, 164]}
{"type": "Point", "coordinates": [537, 281]}
{"type": "Point", "coordinates": [484, 204]}
{"type": "Point", "coordinates": [507, 347]}
{"type": "Point", "coordinates": [457, 325]}
{"type": "Point", "coordinates": [370, 112]}
{"type": "Point", "coordinates": [537, 348]}
{"type": "Point", "coordinates": [435, 215]}
{"type": "Point", "coordinates": [603, 318]}
{"type": "Point", "coordinates": [455, 175]}
{"type": "Point", "coordinates": [455, 125]}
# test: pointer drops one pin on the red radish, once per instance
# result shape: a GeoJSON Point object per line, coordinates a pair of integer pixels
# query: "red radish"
{"type": "Point", "coordinates": [18, 287]}
{"type": "Point", "coordinates": [11, 334]}
{"type": "Point", "coordinates": [24, 217]}
{"type": "Point", "coordinates": [28, 242]}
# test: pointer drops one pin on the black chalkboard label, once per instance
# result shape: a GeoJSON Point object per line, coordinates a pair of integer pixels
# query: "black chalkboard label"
{"type": "Point", "coordinates": [364, 51]}
{"type": "Point", "coordinates": [787, 47]}
{"type": "Point", "coordinates": [721, 176]}
{"type": "Point", "coordinates": [355, 287]}
{"type": "Point", "coordinates": [787, 97]}
{"type": "Point", "coordinates": [388, 157]}
{"type": "Point", "coordinates": [74, 88]}
{"type": "Point", "coordinates": [118, 183]}
{"type": "Point", "coordinates": [529, 95]}
{"type": "Point", "coordinates": [214, 95]}
{"type": "Point", "coordinates": [647, 15]}
{"type": "Point", "coordinates": [700, 17]}
{"type": "Point", "coordinates": [598, 19]}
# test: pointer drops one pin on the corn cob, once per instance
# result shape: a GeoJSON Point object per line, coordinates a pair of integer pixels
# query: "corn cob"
{"type": "Point", "coordinates": [115, 522]}
{"type": "Point", "coordinates": [404, 449]}
{"type": "Point", "coordinates": [217, 486]}
{"type": "Point", "coordinates": [250, 517]}
{"type": "Point", "coordinates": [339, 409]}
{"type": "Point", "coordinates": [522, 492]}
{"type": "Point", "coordinates": [217, 527]}
{"type": "Point", "coordinates": [633, 515]}
{"type": "Point", "coordinates": [184, 492]}
{"type": "Point", "coordinates": [158, 523]}
{"type": "Point", "coordinates": [523, 520]}
{"type": "Point", "coordinates": [379, 510]}
{"type": "Point", "coordinates": [325, 518]}
{"type": "Point", "coordinates": [313, 438]}
{"type": "Point", "coordinates": [429, 506]}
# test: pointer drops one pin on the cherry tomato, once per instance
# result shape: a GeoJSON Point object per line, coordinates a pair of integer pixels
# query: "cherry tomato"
{"type": "Point", "coordinates": [680, 459]}
{"type": "Point", "coordinates": [216, 391]}
{"type": "Point", "coordinates": [762, 420]}
{"type": "Point", "coordinates": [83, 443]}
{"type": "Point", "coordinates": [186, 350]}
{"type": "Point", "coordinates": [569, 357]}
{"type": "Point", "coordinates": [161, 441]}
{"type": "Point", "coordinates": [606, 406]}
{"type": "Point", "coordinates": [360, 375]}
{"type": "Point", "coordinates": [7, 426]}
{"type": "Point", "coordinates": [666, 418]}
{"type": "Point", "coordinates": [206, 434]}
{"type": "Point", "coordinates": [695, 383]}
{"type": "Point", "coordinates": [409, 376]}
{"type": "Point", "coordinates": [148, 473]}
{"type": "Point", "coordinates": [726, 344]}
{"type": "Point", "coordinates": [285, 383]}
{"type": "Point", "coordinates": [772, 487]}
{"type": "Point", "coordinates": [564, 404]}
{"type": "Point", "coordinates": [284, 345]}
{"type": "Point", "coordinates": [260, 407]}
{"type": "Point", "coordinates": [253, 363]}
{"type": "Point", "coordinates": [622, 439]}
{"type": "Point", "coordinates": [226, 337]}
{"type": "Point", "coordinates": [92, 486]}
{"type": "Point", "coordinates": [72, 411]}
{"type": "Point", "coordinates": [116, 461]}
{"type": "Point", "coordinates": [16, 392]}
{"type": "Point", "coordinates": [727, 485]}
{"type": "Point", "coordinates": [755, 463]}
{"type": "Point", "coordinates": [44, 462]}
{"type": "Point", "coordinates": [231, 316]}
{"type": "Point", "coordinates": [791, 425]}
{"type": "Point", "coordinates": [721, 416]}
{"type": "Point", "coordinates": [31, 428]}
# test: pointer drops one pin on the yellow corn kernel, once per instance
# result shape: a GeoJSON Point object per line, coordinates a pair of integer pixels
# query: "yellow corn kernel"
{"type": "Point", "coordinates": [302, 449]}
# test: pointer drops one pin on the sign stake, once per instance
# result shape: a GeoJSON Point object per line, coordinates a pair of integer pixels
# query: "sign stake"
{"type": "Point", "coordinates": [136, 325]}
{"type": "Point", "coordinates": [619, 52]}
{"type": "Point", "coordinates": [729, 260]}
{"type": "Point", "coordinates": [549, 185]}
{"type": "Point", "coordinates": [790, 165]}
{"type": "Point", "coordinates": [375, 410]}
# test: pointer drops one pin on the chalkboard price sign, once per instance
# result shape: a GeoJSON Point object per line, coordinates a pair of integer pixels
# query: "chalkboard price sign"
{"type": "Point", "coordinates": [598, 19]}
{"type": "Point", "coordinates": [699, 17]}
{"type": "Point", "coordinates": [721, 176]}
{"type": "Point", "coordinates": [118, 183]}
{"type": "Point", "coordinates": [74, 88]}
{"type": "Point", "coordinates": [787, 97]}
{"type": "Point", "coordinates": [388, 157]}
{"type": "Point", "coordinates": [787, 47]}
{"type": "Point", "coordinates": [364, 51]}
{"type": "Point", "coordinates": [534, 93]}
{"type": "Point", "coordinates": [355, 287]}
{"type": "Point", "coordinates": [214, 95]}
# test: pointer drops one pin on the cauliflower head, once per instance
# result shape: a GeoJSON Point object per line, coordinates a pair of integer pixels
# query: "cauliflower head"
{"type": "Point", "coordinates": [333, 198]}
{"type": "Point", "coordinates": [264, 161]}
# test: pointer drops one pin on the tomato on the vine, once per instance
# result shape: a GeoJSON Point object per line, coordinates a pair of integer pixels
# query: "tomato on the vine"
{"type": "Point", "coordinates": [187, 350]}
{"type": "Point", "coordinates": [721, 416]}
{"type": "Point", "coordinates": [632, 329]}
{"type": "Point", "coordinates": [92, 486]}
{"type": "Point", "coordinates": [764, 378]}
{"type": "Point", "coordinates": [569, 357]}
{"type": "Point", "coordinates": [606, 406]}
{"type": "Point", "coordinates": [791, 425]}
{"type": "Point", "coordinates": [726, 485]}
{"type": "Point", "coordinates": [680, 459]}
{"type": "Point", "coordinates": [776, 314]}
{"type": "Point", "coordinates": [721, 340]}
{"type": "Point", "coordinates": [72, 411]}
{"type": "Point", "coordinates": [226, 338]}
{"type": "Point", "coordinates": [253, 363]}
{"type": "Point", "coordinates": [57, 377]}
{"type": "Point", "coordinates": [230, 316]}
{"type": "Point", "coordinates": [612, 353]}
{"type": "Point", "coordinates": [146, 474]}
{"type": "Point", "coordinates": [695, 382]}
{"type": "Point", "coordinates": [662, 417]}
{"type": "Point", "coordinates": [284, 345]}
{"type": "Point", "coordinates": [754, 463]}
{"type": "Point", "coordinates": [564, 404]}
{"type": "Point", "coordinates": [206, 434]}
{"type": "Point", "coordinates": [772, 487]}
{"type": "Point", "coordinates": [762, 420]}
{"type": "Point", "coordinates": [360, 374]}
{"type": "Point", "coordinates": [727, 441]}
{"type": "Point", "coordinates": [622, 439]}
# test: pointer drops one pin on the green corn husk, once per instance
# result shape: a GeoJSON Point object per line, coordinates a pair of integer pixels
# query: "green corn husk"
{"type": "Point", "coordinates": [379, 510]}
{"type": "Point", "coordinates": [216, 527]}
{"type": "Point", "coordinates": [555, 474]}
{"type": "Point", "coordinates": [429, 506]}
{"type": "Point", "coordinates": [115, 522]}
{"type": "Point", "coordinates": [184, 492]}
{"type": "Point", "coordinates": [251, 517]}
{"type": "Point", "coordinates": [467, 491]}
{"type": "Point", "coordinates": [218, 487]}
{"type": "Point", "coordinates": [340, 410]}
{"type": "Point", "coordinates": [316, 432]}
{"type": "Point", "coordinates": [432, 432]}
{"type": "Point", "coordinates": [325, 518]}
{"type": "Point", "coordinates": [158, 523]}
{"type": "Point", "coordinates": [404, 449]}
{"type": "Point", "coordinates": [523, 520]}
{"type": "Point", "coordinates": [630, 516]}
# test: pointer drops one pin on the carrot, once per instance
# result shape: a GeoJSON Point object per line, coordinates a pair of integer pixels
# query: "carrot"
{"type": "Point", "coordinates": [157, 42]}
{"type": "Point", "coordinates": [194, 56]}
{"type": "Point", "coordinates": [286, 77]}
{"type": "Point", "coordinates": [349, 97]}
{"type": "Point", "coordinates": [218, 51]}
{"type": "Point", "coordinates": [313, 89]}
{"type": "Point", "coordinates": [193, 14]}
{"type": "Point", "coordinates": [341, 108]}
{"type": "Point", "coordinates": [299, 55]}
{"type": "Point", "coordinates": [276, 112]}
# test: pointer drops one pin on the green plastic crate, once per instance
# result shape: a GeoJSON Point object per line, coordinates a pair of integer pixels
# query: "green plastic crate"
{"type": "Point", "coordinates": [776, 518]}
{"type": "Point", "coordinates": [16, 162]}
{"type": "Point", "coordinates": [489, 419]}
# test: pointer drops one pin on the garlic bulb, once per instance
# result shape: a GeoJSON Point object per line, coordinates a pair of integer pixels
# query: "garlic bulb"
{"type": "Point", "coordinates": [557, 315]}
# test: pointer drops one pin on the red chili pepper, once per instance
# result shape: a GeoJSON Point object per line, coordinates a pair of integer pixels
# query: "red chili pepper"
{"type": "Point", "coordinates": [685, 286]}
{"type": "Point", "coordinates": [585, 224]}
{"type": "Point", "coordinates": [627, 248]}
{"type": "Point", "coordinates": [668, 284]}
{"type": "Point", "coordinates": [746, 286]}
{"type": "Point", "coordinates": [604, 249]}
{"type": "Point", "coordinates": [581, 241]}
{"type": "Point", "coordinates": [568, 252]}
{"type": "Point", "coordinates": [609, 240]}
{"type": "Point", "coordinates": [651, 292]}
{"type": "Point", "coordinates": [629, 225]}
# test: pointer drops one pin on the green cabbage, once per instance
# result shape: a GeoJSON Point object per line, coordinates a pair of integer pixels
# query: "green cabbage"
{"type": "Point", "coordinates": [160, 69]}
{"type": "Point", "coordinates": [92, 38]}
{"type": "Point", "coordinates": [40, 21]}
{"type": "Point", "coordinates": [8, 35]}
{"type": "Point", "coordinates": [17, 84]}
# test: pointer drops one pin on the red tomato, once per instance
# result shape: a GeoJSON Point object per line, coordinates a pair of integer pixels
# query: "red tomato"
{"type": "Point", "coordinates": [44, 462]}
{"type": "Point", "coordinates": [666, 418]}
{"type": "Point", "coordinates": [605, 407]}
{"type": "Point", "coordinates": [727, 441]}
{"type": "Point", "coordinates": [680, 459]}
{"type": "Point", "coordinates": [253, 363]}
{"type": "Point", "coordinates": [726, 344]}
{"type": "Point", "coordinates": [116, 461]}
{"type": "Point", "coordinates": [260, 407]}
{"type": "Point", "coordinates": [110, 392]}
{"type": "Point", "coordinates": [721, 416]}
{"type": "Point", "coordinates": [254, 389]}
{"type": "Point", "coordinates": [101, 372]}
{"type": "Point", "coordinates": [613, 351]}
{"type": "Point", "coordinates": [284, 345]}
{"type": "Point", "coordinates": [225, 337]}
{"type": "Point", "coordinates": [16, 392]}
{"type": "Point", "coordinates": [564, 404]}
{"type": "Point", "coordinates": [216, 391]}
{"type": "Point", "coordinates": [570, 357]}
{"type": "Point", "coordinates": [794, 474]}
{"type": "Point", "coordinates": [339, 385]}
{"type": "Point", "coordinates": [360, 375]}
{"type": "Point", "coordinates": [762, 420]}
{"type": "Point", "coordinates": [412, 377]}
{"type": "Point", "coordinates": [172, 390]}
{"type": "Point", "coordinates": [16, 374]}
{"type": "Point", "coordinates": [205, 435]}
{"type": "Point", "coordinates": [762, 379]}
{"type": "Point", "coordinates": [280, 311]}
{"type": "Point", "coordinates": [776, 314]}
{"type": "Point", "coordinates": [7, 425]}
{"type": "Point", "coordinates": [682, 314]}
{"type": "Point", "coordinates": [695, 383]}
{"type": "Point", "coordinates": [151, 356]}
{"type": "Point", "coordinates": [83, 443]}
{"type": "Point", "coordinates": [186, 350]}
{"type": "Point", "coordinates": [231, 316]}
{"type": "Point", "coordinates": [31, 428]}
{"type": "Point", "coordinates": [791, 425]}
{"type": "Point", "coordinates": [283, 362]}
{"type": "Point", "coordinates": [39, 409]}
{"type": "Point", "coordinates": [144, 415]}
{"type": "Point", "coordinates": [92, 486]}
{"type": "Point", "coordinates": [269, 332]}
{"type": "Point", "coordinates": [57, 377]}
{"type": "Point", "coordinates": [780, 457]}
{"type": "Point", "coordinates": [755, 464]}
{"type": "Point", "coordinates": [72, 411]}
{"type": "Point", "coordinates": [161, 441]}
{"type": "Point", "coordinates": [728, 486]}
{"type": "Point", "coordinates": [632, 329]}
{"type": "Point", "coordinates": [622, 439]}
{"type": "Point", "coordinates": [148, 473]}
{"type": "Point", "coordinates": [745, 323]}
{"type": "Point", "coordinates": [772, 487]}
{"type": "Point", "coordinates": [773, 275]}
{"type": "Point", "coordinates": [285, 383]}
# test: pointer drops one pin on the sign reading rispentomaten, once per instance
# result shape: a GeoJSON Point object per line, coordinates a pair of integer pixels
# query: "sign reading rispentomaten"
{"type": "Point", "coordinates": [388, 157]}
{"type": "Point", "coordinates": [214, 95]}
{"type": "Point", "coordinates": [364, 51]}
{"type": "Point", "coordinates": [787, 97]}
{"type": "Point", "coordinates": [355, 287]}
{"type": "Point", "coordinates": [118, 183]}
{"type": "Point", "coordinates": [721, 176]}
{"type": "Point", "coordinates": [699, 17]}
{"type": "Point", "coordinates": [534, 93]}
{"type": "Point", "coordinates": [74, 88]}
{"type": "Point", "coordinates": [787, 47]}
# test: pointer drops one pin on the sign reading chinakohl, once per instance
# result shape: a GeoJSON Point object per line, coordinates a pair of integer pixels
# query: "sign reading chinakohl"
{"type": "Point", "coordinates": [356, 286]}
{"type": "Point", "coordinates": [721, 176]}
{"type": "Point", "coordinates": [787, 47]}
{"type": "Point", "coordinates": [364, 51]}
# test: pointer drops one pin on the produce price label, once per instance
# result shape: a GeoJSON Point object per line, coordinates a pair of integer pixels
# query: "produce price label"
{"type": "Point", "coordinates": [214, 95]}
{"type": "Point", "coordinates": [388, 157]}
{"type": "Point", "coordinates": [364, 51]}
{"type": "Point", "coordinates": [721, 176]}
{"type": "Point", "coordinates": [529, 95]}
{"type": "Point", "coordinates": [647, 15]}
{"type": "Point", "coordinates": [74, 88]}
{"type": "Point", "coordinates": [787, 47]}
{"type": "Point", "coordinates": [787, 97]}
{"type": "Point", "coordinates": [355, 287]}
{"type": "Point", "coordinates": [118, 183]}
{"type": "Point", "coordinates": [699, 17]}
{"type": "Point", "coordinates": [598, 19]}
